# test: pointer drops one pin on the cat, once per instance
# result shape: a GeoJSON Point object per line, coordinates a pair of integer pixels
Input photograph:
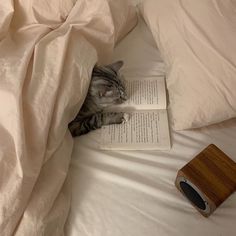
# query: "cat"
{"type": "Point", "coordinates": [105, 89]}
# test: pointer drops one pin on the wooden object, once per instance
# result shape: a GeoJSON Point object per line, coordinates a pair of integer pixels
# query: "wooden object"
{"type": "Point", "coordinates": [208, 179]}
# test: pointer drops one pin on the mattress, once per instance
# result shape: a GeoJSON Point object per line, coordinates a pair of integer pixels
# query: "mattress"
{"type": "Point", "coordinates": [117, 193]}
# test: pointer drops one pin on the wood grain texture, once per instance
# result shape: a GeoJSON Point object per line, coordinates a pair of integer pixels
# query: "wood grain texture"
{"type": "Point", "coordinates": [213, 173]}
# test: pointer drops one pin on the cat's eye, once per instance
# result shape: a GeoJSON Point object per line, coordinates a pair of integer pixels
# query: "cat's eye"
{"type": "Point", "coordinates": [108, 93]}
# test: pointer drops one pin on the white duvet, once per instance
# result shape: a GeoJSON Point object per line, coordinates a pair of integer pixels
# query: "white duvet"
{"type": "Point", "coordinates": [47, 52]}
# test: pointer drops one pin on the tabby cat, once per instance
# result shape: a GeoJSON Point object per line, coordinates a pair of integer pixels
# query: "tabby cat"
{"type": "Point", "coordinates": [106, 89]}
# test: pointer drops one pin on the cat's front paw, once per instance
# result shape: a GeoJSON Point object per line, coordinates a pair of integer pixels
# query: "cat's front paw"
{"type": "Point", "coordinates": [114, 118]}
{"type": "Point", "coordinates": [125, 118]}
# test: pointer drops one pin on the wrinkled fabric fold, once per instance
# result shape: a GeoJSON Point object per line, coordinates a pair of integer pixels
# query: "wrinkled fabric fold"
{"type": "Point", "coordinates": [47, 53]}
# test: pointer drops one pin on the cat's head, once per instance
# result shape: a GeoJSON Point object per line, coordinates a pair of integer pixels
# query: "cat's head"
{"type": "Point", "coordinates": [106, 87]}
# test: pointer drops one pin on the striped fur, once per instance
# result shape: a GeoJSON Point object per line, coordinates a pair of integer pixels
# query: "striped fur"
{"type": "Point", "coordinates": [106, 89]}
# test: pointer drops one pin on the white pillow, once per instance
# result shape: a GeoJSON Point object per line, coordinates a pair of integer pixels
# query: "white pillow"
{"type": "Point", "coordinates": [197, 40]}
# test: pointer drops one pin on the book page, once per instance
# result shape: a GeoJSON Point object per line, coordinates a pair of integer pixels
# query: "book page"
{"type": "Point", "coordinates": [144, 130]}
{"type": "Point", "coordinates": [146, 93]}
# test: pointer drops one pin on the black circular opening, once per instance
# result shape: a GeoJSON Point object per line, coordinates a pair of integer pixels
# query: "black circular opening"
{"type": "Point", "coordinates": [192, 195]}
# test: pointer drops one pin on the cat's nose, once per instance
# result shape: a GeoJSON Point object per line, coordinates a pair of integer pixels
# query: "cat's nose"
{"type": "Point", "coordinates": [121, 99]}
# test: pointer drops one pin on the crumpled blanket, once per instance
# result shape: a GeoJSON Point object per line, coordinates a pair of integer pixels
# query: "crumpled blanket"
{"type": "Point", "coordinates": [47, 51]}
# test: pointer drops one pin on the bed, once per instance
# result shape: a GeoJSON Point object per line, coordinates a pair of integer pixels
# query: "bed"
{"type": "Point", "coordinates": [132, 192]}
{"type": "Point", "coordinates": [51, 184]}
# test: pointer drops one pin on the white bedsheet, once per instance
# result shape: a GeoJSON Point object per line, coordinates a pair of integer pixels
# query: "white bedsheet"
{"type": "Point", "coordinates": [132, 193]}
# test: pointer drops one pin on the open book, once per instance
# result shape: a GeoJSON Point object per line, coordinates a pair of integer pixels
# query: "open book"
{"type": "Point", "coordinates": [147, 127]}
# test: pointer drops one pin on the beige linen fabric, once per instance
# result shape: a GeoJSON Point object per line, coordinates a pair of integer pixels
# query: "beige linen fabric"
{"type": "Point", "coordinates": [47, 52]}
{"type": "Point", "coordinates": [197, 42]}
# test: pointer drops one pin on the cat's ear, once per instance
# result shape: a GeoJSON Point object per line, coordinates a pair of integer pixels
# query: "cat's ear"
{"type": "Point", "coordinates": [116, 65]}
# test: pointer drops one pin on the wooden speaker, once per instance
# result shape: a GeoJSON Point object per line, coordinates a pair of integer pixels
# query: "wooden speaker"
{"type": "Point", "coordinates": [208, 179]}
